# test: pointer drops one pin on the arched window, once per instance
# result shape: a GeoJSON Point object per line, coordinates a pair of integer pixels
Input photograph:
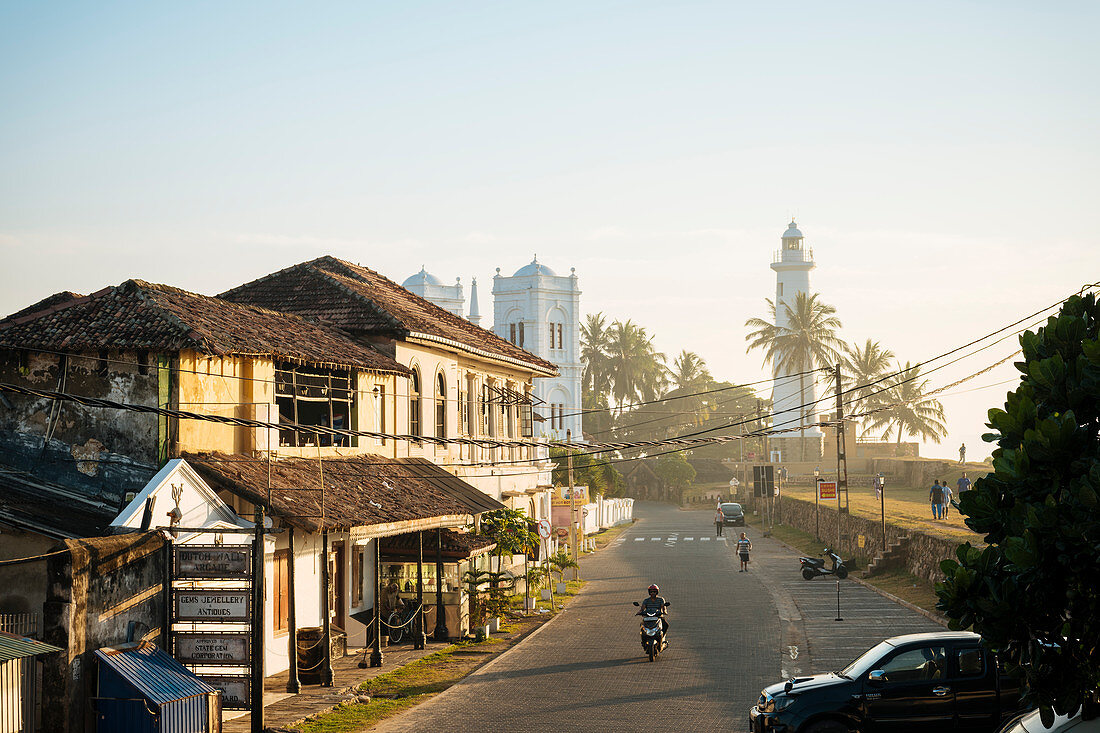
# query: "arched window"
{"type": "Point", "coordinates": [414, 403]}
{"type": "Point", "coordinates": [440, 406]}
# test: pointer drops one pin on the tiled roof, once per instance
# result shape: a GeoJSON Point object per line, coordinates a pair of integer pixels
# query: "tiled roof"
{"type": "Point", "coordinates": [47, 303]}
{"type": "Point", "coordinates": [360, 490]}
{"type": "Point", "coordinates": [455, 545]}
{"type": "Point", "coordinates": [140, 315]}
{"type": "Point", "coordinates": [361, 300]}
{"type": "Point", "coordinates": [31, 504]}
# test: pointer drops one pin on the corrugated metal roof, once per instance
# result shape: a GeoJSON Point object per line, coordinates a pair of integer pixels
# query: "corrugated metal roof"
{"type": "Point", "coordinates": [17, 647]}
{"type": "Point", "coordinates": [152, 672]}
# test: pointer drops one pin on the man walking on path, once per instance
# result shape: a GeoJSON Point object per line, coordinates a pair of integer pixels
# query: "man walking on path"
{"type": "Point", "coordinates": [962, 453]}
{"type": "Point", "coordinates": [964, 484]}
{"type": "Point", "coordinates": [935, 495]}
{"type": "Point", "coordinates": [743, 547]}
{"type": "Point", "coordinates": [719, 518]}
{"type": "Point", "coordinates": [946, 500]}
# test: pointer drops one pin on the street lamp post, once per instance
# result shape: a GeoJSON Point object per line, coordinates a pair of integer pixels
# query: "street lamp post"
{"type": "Point", "coordinates": [817, 499]}
{"type": "Point", "coordinates": [882, 507]}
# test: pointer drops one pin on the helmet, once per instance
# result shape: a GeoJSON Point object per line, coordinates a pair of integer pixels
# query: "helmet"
{"type": "Point", "coordinates": [654, 589]}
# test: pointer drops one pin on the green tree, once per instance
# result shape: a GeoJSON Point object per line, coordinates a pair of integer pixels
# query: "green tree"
{"type": "Point", "coordinates": [637, 370]}
{"type": "Point", "coordinates": [591, 470]}
{"type": "Point", "coordinates": [906, 409]}
{"type": "Point", "coordinates": [595, 379]}
{"type": "Point", "coordinates": [689, 372]}
{"type": "Point", "coordinates": [805, 338]}
{"type": "Point", "coordinates": [510, 529]}
{"type": "Point", "coordinates": [1031, 592]}
{"type": "Point", "coordinates": [866, 365]}
{"type": "Point", "coordinates": [676, 473]}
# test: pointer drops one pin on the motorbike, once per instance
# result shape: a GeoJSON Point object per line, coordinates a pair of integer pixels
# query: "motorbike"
{"type": "Point", "coordinates": [813, 566]}
{"type": "Point", "coordinates": [652, 635]}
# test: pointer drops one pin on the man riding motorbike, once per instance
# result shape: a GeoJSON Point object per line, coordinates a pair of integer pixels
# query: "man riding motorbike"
{"type": "Point", "coordinates": [655, 604]}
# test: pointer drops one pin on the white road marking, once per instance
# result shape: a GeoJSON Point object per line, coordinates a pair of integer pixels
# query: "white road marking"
{"type": "Point", "coordinates": [688, 539]}
{"type": "Point", "coordinates": [655, 539]}
{"type": "Point", "coordinates": [704, 539]}
{"type": "Point", "coordinates": [639, 539]}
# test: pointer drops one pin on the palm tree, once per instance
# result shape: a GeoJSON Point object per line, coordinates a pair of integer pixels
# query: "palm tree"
{"type": "Point", "coordinates": [867, 365]}
{"type": "Point", "coordinates": [907, 409]}
{"type": "Point", "coordinates": [594, 335]}
{"type": "Point", "coordinates": [689, 371]}
{"type": "Point", "coordinates": [635, 369]}
{"type": "Point", "coordinates": [807, 340]}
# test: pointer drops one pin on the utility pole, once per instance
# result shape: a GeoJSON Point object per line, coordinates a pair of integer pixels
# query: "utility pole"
{"type": "Point", "coordinates": [572, 502]}
{"type": "Point", "coordinates": [841, 459]}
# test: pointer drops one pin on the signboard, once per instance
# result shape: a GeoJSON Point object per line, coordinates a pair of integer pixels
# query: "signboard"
{"type": "Point", "coordinates": [763, 480]}
{"type": "Point", "coordinates": [235, 690]}
{"type": "Point", "coordinates": [861, 541]}
{"type": "Point", "coordinates": [213, 561]}
{"type": "Point", "coordinates": [826, 490]}
{"type": "Point", "coordinates": [213, 605]}
{"type": "Point", "coordinates": [544, 529]}
{"type": "Point", "coordinates": [213, 647]}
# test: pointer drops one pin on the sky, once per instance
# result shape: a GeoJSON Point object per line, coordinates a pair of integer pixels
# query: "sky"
{"type": "Point", "coordinates": [940, 158]}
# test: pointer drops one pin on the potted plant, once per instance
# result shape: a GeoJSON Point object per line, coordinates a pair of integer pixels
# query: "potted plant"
{"type": "Point", "coordinates": [535, 577]}
{"type": "Point", "coordinates": [560, 563]}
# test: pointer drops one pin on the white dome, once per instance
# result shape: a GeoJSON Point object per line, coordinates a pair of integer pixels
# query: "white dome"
{"type": "Point", "coordinates": [792, 232]}
{"type": "Point", "coordinates": [535, 268]}
{"type": "Point", "coordinates": [422, 278]}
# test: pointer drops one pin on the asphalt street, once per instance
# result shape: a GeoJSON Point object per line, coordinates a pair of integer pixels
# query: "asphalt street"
{"type": "Point", "coordinates": [731, 634]}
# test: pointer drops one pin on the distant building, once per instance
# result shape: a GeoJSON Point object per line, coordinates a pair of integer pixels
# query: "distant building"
{"type": "Point", "coordinates": [792, 398]}
{"type": "Point", "coordinates": [430, 287]}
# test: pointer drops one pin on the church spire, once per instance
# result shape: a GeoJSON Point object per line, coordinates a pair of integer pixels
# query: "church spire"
{"type": "Point", "coordinates": [475, 311]}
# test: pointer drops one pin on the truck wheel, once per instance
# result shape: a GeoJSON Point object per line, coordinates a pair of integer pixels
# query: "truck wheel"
{"type": "Point", "coordinates": [807, 574]}
{"type": "Point", "coordinates": [828, 726]}
{"type": "Point", "coordinates": [842, 572]}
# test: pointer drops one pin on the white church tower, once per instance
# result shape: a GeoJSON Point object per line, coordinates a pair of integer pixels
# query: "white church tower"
{"type": "Point", "coordinates": [429, 287]}
{"type": "Point", "coordinates": [539, 311]}
{"type": "Point", "coordinates": [792, 265]}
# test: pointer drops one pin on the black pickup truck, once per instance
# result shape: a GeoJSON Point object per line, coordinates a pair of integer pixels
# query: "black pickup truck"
{"type": "Point", "coordinates": [939, 682]}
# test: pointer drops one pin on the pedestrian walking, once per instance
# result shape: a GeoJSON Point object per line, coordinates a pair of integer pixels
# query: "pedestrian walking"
{"type": "Point", "coordinates": [946, 499]}
{"type": "Point", "coordinates": [935, 495]}
{"type": "Point", "coordinates": [719, 519]}
{"type": "Point", "coordinates": [962, 453]}
{"type": "Point", "coordinates": [743, 548]}
{"type": "Point", "coordinates": [963, 484]}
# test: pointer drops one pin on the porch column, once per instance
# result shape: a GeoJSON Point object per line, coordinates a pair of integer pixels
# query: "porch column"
{"type": "Point", "coordinates": [419, 637]}
{"type": "Point", "coordinates": [441, 632]}
{"type": "Point", "coordinates": [376, 653]}
{"type": "Point", "coordinates": [292, 684]}
{"type": "Point", "coordinates": [326, 620]}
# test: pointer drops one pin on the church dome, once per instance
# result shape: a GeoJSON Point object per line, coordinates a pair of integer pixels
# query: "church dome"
{"type": "Point", "coordinates": [422, 278]}
{"type": "Point", "coordinates": [792, 232]}
{"type": "Point", "coordinates": [535, 268]}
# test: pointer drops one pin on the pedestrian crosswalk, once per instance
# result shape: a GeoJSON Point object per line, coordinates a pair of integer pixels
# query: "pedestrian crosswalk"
{"type": "Point", "coordinates": [666, 540]}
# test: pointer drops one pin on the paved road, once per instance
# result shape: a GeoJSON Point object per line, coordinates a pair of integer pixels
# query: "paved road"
{"type": "Point", "coordinates": [732, 633]}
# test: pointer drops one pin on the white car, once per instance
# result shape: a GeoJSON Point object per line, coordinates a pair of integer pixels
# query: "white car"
{"type": "Point", "coordinates": [1030, 723]}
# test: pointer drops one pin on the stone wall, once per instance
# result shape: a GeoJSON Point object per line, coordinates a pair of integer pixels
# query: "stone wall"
{"type": "Point", "coordinates": [923, 552]}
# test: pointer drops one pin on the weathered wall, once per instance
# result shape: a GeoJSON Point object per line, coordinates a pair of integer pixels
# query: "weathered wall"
{"type": "Point", "coordinates": [232, 387]}
{"type": "Point", "coordinates": [923, 552]}
{"type": "Point", "coordinates": [103, 452]}
{"type": "Point", "coordinates": [23, 586]}
{"type": "Point", "coordinates": [93, 592]}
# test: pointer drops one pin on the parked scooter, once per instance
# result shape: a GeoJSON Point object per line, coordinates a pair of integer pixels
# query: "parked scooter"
{"type": "Point", "coordinates": [653, 637]}
{"type": "Point", "coordinates": [813, 567]}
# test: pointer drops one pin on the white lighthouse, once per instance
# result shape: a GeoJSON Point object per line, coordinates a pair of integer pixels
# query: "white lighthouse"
{"type": "Point", "coordinates": [792, 265]}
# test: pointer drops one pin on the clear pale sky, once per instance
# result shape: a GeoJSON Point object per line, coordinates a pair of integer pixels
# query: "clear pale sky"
{"type": "Point", "coordinates": [941, 158]}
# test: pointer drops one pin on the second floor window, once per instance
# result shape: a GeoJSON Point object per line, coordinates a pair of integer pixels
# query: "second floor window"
{"type": "Point", "coordinates": [414, 403]}
{"type": "Point", "coordinates": [440, 407]}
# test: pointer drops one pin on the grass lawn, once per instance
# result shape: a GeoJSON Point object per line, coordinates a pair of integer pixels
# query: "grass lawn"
{"type": "Point", "coordinates": [905, 507]}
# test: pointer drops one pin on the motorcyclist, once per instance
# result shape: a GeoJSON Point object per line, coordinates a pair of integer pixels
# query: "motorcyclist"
{"type": "Point", "coordinates": [655, 603]}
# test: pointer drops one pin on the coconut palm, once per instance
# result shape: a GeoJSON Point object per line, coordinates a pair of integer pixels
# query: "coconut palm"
{"type": "Point", "coordinates": [594, 336]}
{"type": "Point", "coordinates": [637, 371]}
{"type": "Point", "coordinates": [689, 371]}
{"type": "Point", "coordinates": [866, 365]}
{"type": "Point", "coordinates": [805, 341]}
{"type": "Point", "coordinates": [906, 409]}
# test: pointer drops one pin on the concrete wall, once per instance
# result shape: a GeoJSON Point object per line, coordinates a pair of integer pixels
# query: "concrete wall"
{"type": "Point", "coordinates": [228, 386]}
{"type": "Point", "coordinates": [23, 586]}
{"type": "Point", "coordinates": [102, 452]}
{"type": "Point", "coordinates": [923, 552]}
{"type": "Point", "coordinates": [94, 591]}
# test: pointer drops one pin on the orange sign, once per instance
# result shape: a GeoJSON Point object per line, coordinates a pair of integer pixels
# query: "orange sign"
{"type": "Point", "coordinates": [826, 490]}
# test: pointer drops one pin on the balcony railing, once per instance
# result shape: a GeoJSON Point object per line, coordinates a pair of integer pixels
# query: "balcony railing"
{"type": "Point", "coordinates": [794, 255]}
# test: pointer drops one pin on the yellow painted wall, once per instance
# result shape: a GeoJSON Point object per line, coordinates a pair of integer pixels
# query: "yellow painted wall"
{"type": "Point", "coordinates": [225, 386]}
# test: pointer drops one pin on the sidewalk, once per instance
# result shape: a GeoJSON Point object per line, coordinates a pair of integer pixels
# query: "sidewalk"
{"type": "Point", "coordinates": [282, 709]}
{"type": "Point", "coordinates": [812, 639]}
